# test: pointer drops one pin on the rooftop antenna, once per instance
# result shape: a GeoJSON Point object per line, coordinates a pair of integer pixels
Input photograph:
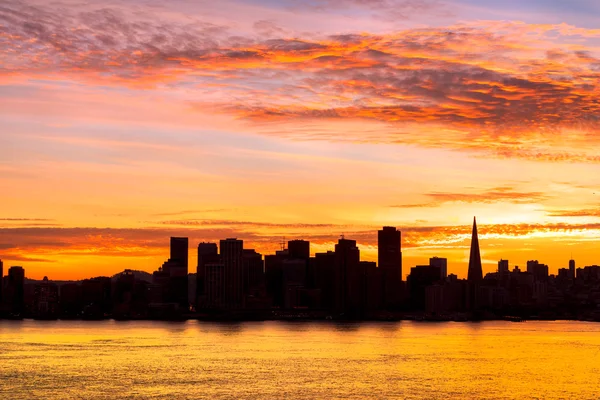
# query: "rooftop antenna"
{"type": "Point", "coordinates": [282, 243]}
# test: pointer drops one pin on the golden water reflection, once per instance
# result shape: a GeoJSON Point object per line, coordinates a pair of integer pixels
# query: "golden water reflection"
{"type": "Point", "coordinates": [144, 359]}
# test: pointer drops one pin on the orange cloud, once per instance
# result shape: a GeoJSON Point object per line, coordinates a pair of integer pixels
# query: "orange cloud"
{"type": "Point", "coordinates": [588, 212]}
{"type": "Point", "coordinates": [494, 195]}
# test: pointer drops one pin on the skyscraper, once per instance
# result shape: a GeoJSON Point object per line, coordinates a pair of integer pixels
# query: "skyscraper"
{"type": "Point", "coordinates": [208, 253]}
{"type": "Point", "coordinates": [475, 270]}
{"type": "Point", "coordinates": [503, 267]}
{"type": "Point", "coordinates": [571, 268]}
{"type": "Point", "coordinates": [538, 270]}
{"type": "Point", "coordinates": [442, 264]}
{"type": "Point", "coordinates": [254, 272]}
{"type": "Point", "coordinates": [389, 254]}
{"type": "Point", "coordinates": [171, 280]}
{"type": "Point", "coordinates": [274, 276]}
{"type": "Point", "coordinates": [214, 286]}
{"type": "Point", "coordinates": [299, 249]}
{"type": "Point", "coordinates": [420, 277]}
{"type": "Point", "coordinates": [15, 290]}
{"type": "Point", "coordinates": [205, 249]}
{"type": "Point", "coordinates": [233, 275]}
{"type": "Point", "coordinates": [324, 267]}
{"type": "Point", "coordinates": [299, 252]}
{"type": "Point", "coordinates": [179, 251]}
{"type": "Point", "coordinates": [178, 272]}
{"type": "Point", "coordinates": [389, 259]}
{"type": "Point", "coordinates": [347, 277]}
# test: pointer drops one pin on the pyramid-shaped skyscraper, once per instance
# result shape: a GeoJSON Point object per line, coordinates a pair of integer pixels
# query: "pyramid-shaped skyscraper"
{"type": "Point", "coordinates": [475, 270]}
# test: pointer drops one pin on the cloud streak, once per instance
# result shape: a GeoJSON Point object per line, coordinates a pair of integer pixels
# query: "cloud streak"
{"type": "Point", "coordinates": [499, 194]}
{"type": "Point", "coordinates": [246, 224]}
{"type": "Point", "coordinates": [588, 212]}
{"type": "Point", "coordinates": [388, 10]}
{"type": "Point", "coordinates": [25, 219]}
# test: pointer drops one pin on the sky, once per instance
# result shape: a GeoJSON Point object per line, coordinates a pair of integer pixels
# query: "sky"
{"type": "Point", "coordinates": [125, 122]}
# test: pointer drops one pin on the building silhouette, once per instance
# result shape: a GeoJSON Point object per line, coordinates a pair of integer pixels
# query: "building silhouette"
{"type": "Point", "coordinates": [420, 277]}
{"type": "Point", "coordinates": [96, 296]}
{"type": "Point", "coordinates": [291, 277]}
{"type": "Point", "coordinates": [323, 265]}
{"type": "Point", "coordinates": [232, 257]}
{"type": "Point", "coordinates": [169, 290]}
{"type": "Point", "coordinates": [299, 249]}
{"type": "Point", "coordinates": [347, 277]}
{"type": "Point", "coordinates": [293, 280]}
{"type": "Point", "coordinates": [124, 287]}
{"type": "Point", "coordinates": [274, 277]}
{"type": "Point", "coordinates": [45, 300]}
{"type": "Point", "coordinates": [296, 276]}
{"type": "Point", "coordinates": [14, 291]}
{"type": "Point", "coordinates": [130, 296]}
{"type": "Point", "coordinates": [538, 270]}
{"type": "Point", "coordinates": [475, 273]}
{"type": "Point", "coordinates": [178, 271]}
{"type": "Point", "coordinates": [503, 268]}
{"type": "Point", "coordinates": [446, 299]}
{"type": "Point", "coordinates": [442, 264]}
{"type": "Point", "coordinates": [213, 298]}
{"type": "Point", "coordinates": [253, 274]}
{"type": "Point", "coordinates": [235, 283]}
{"type": "Point", "coordinates": [208, 253]}
{"type": "Point", "coordinates": [371, 300]}
{"type": "Point", "coordinates": [389, 258]}
{"type": "Point", "coordinates": [179, 251]}
{"type": "Point", "coordinates": [590, 273]}
{"type": "Point", "coordinates": [70, 301]}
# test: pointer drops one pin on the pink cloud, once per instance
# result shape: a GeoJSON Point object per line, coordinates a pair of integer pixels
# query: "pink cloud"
{"type": "Point", "coordinates": [498, 89]}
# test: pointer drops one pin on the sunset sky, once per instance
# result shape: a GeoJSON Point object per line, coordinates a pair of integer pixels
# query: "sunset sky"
{"type": "Point", "coordinates": [125, 122]}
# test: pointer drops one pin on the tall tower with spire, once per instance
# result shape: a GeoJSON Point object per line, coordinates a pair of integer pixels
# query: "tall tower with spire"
{"type": "Point", "coordinates": [475, 270]}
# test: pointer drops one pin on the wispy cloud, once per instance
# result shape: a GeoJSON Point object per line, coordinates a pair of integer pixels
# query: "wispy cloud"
{"type": "Point", "coordinates": [389, 10]}
{"type": "Point", "coordinates": [499, 194]}
{"type": "Point", "coordinates": [230, 223]}
{"type": "Point", "coordinates": [188, 212]}
{"type": "Point", "coordinates": [16, 257]}
{"type": "Point", "coordinates": [25, 219]}
{"type": "Point", "coordinates": [588, 212]}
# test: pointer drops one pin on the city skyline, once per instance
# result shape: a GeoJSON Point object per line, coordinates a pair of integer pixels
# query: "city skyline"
{"type": "Point", "coordinates": [180, 254]}
{"type": "Point", "coordinates": [128, 122]}
{"type": "Point", "coordinates": [233, 282]}
{"type": "Point", "coordinates": [368, 247]}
